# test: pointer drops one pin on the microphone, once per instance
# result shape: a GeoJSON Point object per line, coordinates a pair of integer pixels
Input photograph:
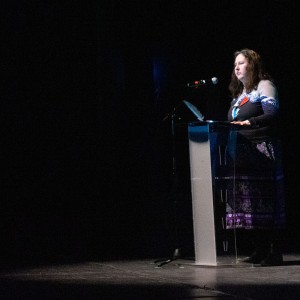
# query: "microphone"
{"type": "Point", "coordinates": [198, 83]}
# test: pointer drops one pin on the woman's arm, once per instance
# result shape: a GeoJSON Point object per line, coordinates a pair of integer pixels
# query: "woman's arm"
{"type": "Point", "coordinates": [269, 102]}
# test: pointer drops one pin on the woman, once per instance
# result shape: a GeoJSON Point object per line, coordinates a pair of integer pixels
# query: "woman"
{"type": "Point", "coordinates": [257, 201]}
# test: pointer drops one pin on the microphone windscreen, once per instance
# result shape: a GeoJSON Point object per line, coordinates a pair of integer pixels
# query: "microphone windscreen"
{"type": "Point", "coordinates": [214, 80]}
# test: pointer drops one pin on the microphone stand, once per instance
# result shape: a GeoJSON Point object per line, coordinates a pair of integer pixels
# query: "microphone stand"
{"type": "Point", "coordinates": [177, 252]}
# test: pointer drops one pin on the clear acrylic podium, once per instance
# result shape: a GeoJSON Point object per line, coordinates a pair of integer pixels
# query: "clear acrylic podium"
{"type": "Point", "coordinates": [212, 149]}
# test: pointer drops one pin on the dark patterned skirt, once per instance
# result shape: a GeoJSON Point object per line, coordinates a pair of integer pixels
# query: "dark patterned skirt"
{"type": "Point", "coordinates": [256, 189]}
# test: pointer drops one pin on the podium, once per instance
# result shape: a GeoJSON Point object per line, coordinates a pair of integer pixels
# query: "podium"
{"type": "Point", "coordinates": [211, 149]}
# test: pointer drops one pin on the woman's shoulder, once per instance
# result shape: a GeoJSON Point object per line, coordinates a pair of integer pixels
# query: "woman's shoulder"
{"type": "Point", "coordinates": [266, 83]}
{"type": "Point", "coordinates": [267, 86]}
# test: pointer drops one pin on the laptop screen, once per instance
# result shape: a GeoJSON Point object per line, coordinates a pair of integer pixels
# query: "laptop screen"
{"type": "Point", "coordinates": [194, 110]}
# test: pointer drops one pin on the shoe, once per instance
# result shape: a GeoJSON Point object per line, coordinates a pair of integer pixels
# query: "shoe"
{"type": "Point", "coordinates": [273, 259]}
{"type": "Point", "coordinates": [254, 258]}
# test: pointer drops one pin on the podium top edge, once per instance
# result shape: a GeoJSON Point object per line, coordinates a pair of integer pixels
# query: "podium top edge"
{"type": "Point", "coordinates": [208, 122]}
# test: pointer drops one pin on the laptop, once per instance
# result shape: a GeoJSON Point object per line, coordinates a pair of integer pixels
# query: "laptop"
{"type": "Point", "coordinates": [201, 118]}
{"type": "Point", "coordinates": [194, 110]}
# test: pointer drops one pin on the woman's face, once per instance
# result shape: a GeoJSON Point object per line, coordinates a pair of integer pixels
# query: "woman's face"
{"type": "Point", "coordinates": [241, 68]}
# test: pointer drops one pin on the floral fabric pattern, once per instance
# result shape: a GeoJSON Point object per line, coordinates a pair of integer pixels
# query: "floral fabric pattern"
{"type": "Point", "coordinates": [256, 194]}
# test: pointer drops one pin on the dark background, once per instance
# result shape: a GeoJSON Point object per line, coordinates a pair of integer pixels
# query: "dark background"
{"type": "Point", "coordinates": [86, 168]}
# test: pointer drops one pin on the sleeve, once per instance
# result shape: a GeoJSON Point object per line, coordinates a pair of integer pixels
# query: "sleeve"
{"type": "Point", "coordinates": [269, 102]}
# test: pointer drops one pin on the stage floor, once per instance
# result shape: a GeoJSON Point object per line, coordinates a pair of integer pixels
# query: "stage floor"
{"type": "Point", "coordinates": [142, 279]}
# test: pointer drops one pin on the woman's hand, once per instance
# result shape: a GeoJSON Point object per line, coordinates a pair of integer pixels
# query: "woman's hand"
{"type": "Point", "coordinates": [243, 123]}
